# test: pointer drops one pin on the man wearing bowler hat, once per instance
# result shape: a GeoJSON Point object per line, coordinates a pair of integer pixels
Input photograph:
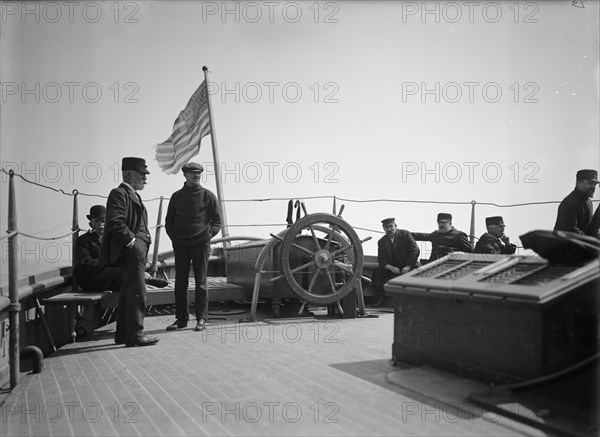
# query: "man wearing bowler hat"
{"type": "Point", "coordinates": [193, 218]}
{"type": "Point", "coordinates": [575, 210]}
{"type": "Point", "coordinates": [397, 253]}
{"type": "Point", "coordinates": [89, 273]}
{"type": "Point", "coordinates": [445, 239]}
{"type": "Point", "coordinates": [125, 244]}
{"type": "Point", "coordinates": [494, 241]}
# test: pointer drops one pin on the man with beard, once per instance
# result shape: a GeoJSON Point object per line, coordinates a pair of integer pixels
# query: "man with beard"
{"type": "Point", "coordinates": [125, 245]}
{"type": "Point", "coordinates": [494, 241]}
{"type": "Point", "coordinates": [193, 218]}
{"type": "Point", "coordinates": [575, 211]}
{"type": "Point", "coordinates": [397, 253]}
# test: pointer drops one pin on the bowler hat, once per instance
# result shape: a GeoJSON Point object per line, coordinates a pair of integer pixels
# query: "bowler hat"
{"type": "Point", "coordinates": [590, 175]}
{"type": "Point", "coordinates": [192, 167]}
{"type": "Point", "coordinates": [137, 164]}
{"type": "Point", "coordinates": [496, 220]}
{"type": "Point", "coordinates": [97, 212]}
{"type": "Point", "coordinates": [442, 216]}
{"type": "Point", "coordinates": [387, 221]}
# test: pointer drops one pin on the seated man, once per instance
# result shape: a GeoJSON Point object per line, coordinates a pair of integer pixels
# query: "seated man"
{"type": "Point", "coordinates": [90, 275]}
{"type": "Point", "coordinates": [397, 253]}
{"type": "Point", "coordinates": [445, 240]}
{"type": "Point", "coordinates": [494, 241]}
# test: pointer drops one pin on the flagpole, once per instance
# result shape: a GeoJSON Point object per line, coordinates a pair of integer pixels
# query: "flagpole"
{"type": "Point", "coordinates": [213, 138]}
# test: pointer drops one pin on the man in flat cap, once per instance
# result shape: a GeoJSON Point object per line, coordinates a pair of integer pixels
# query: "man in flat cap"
{"type": "Point", "coordinates": [193, 218]}
{"type": "Point", "coordinates": [397, 253]}
{"type": "Point", "coordinates": [125, 244]}
{"type": "Point", "coordinates": [445, 239]}
{"type": "Point", "coordinates": [494, 241]}
{"type": "Point", "coordinates": [575, 210]}
{"type": "Point", "coordinates": [89, 273]}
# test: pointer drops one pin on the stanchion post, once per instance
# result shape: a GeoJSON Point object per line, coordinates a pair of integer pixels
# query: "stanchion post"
{"type": "Point", "coordinates": [154, 268]}
{"type": "Point", "coordinates": [15, 306]}
{"type": "Point", "coordinates": [472, 230]}
{"type": "Point", "coordinates": [75, 236]}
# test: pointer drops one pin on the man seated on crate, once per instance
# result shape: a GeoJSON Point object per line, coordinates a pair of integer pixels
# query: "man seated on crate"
{"type": "Point", "coordinates": [89, 274]}
{"type": "Point", "coordinates": [397, 253]}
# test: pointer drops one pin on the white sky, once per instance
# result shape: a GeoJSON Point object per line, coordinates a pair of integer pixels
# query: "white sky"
{"type": "Point", "coordinates": [369, 130]}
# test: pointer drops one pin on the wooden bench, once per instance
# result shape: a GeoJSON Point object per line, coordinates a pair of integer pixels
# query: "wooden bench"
{"type": "Point", "coordinates": [71, 300]}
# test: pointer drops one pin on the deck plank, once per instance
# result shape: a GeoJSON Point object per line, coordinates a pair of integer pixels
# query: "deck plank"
{"type": "Point", "coordinates": [217, 381]}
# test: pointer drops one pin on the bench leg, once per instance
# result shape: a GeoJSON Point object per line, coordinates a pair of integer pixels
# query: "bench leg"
{"type": "Point", "coordinates": [71, 313]}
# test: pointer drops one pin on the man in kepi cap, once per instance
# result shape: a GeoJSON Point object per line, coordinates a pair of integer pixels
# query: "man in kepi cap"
{"type": "Point", "coordinates": [397, 253]}
{"type": "Point", "coordinates": [125, 244]}
{"type": "Point", "coordinates": [575, 211]}
{"type": "Point", "coordinates": [193, 218]}
{"type": "Point", "coordinates": [445, 240]}
{"type": "Point", "coordinates": [494, 241]}
{"type": "Point", "coordinates": [89, 273]}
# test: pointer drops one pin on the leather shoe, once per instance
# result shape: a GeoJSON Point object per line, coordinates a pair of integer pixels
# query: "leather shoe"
{"type": "Point", "coordinates": [119, 341]}
{"type": "Point", "coordinates": [177, 325]}
{"type": "Point", "coordinates": [143, 341]}
{"type": "Point", "coordinates": [200, 326]}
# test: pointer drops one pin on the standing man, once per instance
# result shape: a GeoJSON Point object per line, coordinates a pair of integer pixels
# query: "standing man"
{"type": "Point", "coordinates": [575, 211]}
{"type": "Point", "coordinates": [193, 218]}
{"type": "Point", "coordinates": [494, 241]}
{"type": "Point", "coordinates": [446, 239]}
{"type": "Point", "coordinates": [397, 253]}
{"type": "Point", "coordinates": [125, 244]}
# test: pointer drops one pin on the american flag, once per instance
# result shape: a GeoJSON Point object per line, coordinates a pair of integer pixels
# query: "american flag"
{"type": "Point", "coordinates": [191, 125]}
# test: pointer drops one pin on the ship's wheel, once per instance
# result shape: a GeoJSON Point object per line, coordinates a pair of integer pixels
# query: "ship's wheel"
{"type": "Point", "coordinates": [321, 258]}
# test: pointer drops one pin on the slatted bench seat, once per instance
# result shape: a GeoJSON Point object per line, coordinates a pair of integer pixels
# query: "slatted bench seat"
{"type": "Point", "coordinates": [72, 300]}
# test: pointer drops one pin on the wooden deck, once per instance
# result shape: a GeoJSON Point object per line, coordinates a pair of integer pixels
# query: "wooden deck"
{"type": "Point", "coordinates": [303, 376]}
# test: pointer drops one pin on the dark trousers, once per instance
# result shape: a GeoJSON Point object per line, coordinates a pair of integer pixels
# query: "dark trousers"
{"type": "Point", "coordinates": [132, 302]}
{"type": "Point", "coordinates": [198, 256]}
{"type": "Point", "coordinates": [380, 277]}
{"type": "Point", "coordinates": [109, 278]}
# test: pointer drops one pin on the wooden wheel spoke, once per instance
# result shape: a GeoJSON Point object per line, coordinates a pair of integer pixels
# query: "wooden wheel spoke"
{"type": "Point", "coordinates": [303, 249]}
{"type": "Point", "coordinates": [316, 240]}
{"type": "Point", "coordinates": [313, 280]}
{"type": "Point", "coordinates": [333, 290]}
{"type": "Point", "coordinates": [329, 238]}
{"type": "Point", "coordinates": [343, 249]}
{"type": "Point", "coordinates": [303, 266]}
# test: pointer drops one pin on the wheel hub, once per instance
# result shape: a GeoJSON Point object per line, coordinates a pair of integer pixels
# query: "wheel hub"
{"type": "Point", "coordinates": [323, 258]}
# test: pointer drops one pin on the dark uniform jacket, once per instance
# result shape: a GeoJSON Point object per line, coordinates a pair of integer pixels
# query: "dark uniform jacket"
{"type": "Point", "coordinates": [193, 216]}
{"type": "Point", "coordinates": [87, 252]}
{"type": "Point", "coordinates": [494, 245]}
{"type": "Point", "coordinates": [442, 244]}
{"type": "Point", "coordinates": [575, 214]}
{"type": "Point", "coordinates": [125, 214]}
{"type": "Point", "coordinates": [401, 253]}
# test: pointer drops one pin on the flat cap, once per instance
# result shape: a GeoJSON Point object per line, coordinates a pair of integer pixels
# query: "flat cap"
{"type": "Point", "coordinates": [590, 175]}
{"type": "Point", "coordinates": [137, 164]}
{"type": "Point", "coordinates": [496, 220]}
{"type": "Point", "coordinates": [387, 221]}
{"type": "Point", "coordinates": [192, 167]}
{"type": "Point", "coordinates": [443, 216]}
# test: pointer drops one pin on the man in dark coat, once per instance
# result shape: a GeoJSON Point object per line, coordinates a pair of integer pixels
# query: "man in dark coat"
{"type": "Point", "coordinates": [494, 241]}
{"type": "Point", "coordinates": [445, 240]}
{"type": "Point", "coordinates": [397, 253]}
{"type": "Point", "coordinates": [89, 273]}
{"type": "Point", "coordinates": [125, 244]}
{"type": "Point", "coordinates": [575, 211]}
{"type": "Point", "coordinates": [193, 218]}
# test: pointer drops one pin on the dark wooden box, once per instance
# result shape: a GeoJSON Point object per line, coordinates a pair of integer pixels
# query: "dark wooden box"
{"type": "Point", "coordinates": [500, 319]}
